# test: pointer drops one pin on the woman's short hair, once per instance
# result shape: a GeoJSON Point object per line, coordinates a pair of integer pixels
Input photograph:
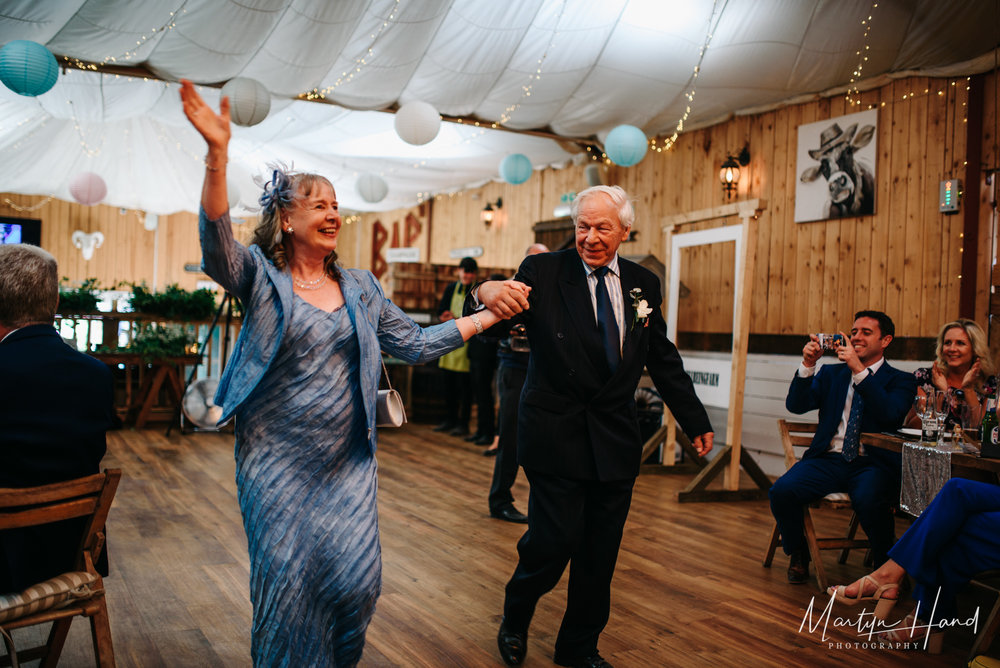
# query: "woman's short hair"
{"type": "Point", "coordinates": [978, 341]}
{"type": "Point", "coordinates": [29, 285]}
{"type": "Point", "coordinates": [619, 198]}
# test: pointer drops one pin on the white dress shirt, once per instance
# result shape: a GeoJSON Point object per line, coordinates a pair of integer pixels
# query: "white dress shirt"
{"type": "Point", "coordinates": [613, 282]}
{"type": "Point", "coordinates": [837, 442]}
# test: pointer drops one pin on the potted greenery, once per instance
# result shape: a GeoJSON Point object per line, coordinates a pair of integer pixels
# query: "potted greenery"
{"type": "Point", "coordinates": [174, 303]}
{"type": "Point", "coordinates": [79, 300]}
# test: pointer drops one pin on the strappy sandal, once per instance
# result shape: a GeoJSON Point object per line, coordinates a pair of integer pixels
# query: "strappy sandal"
{"type": "Point", "coordinates": [916, 634]}
{"type": "Point", "coordinates": [883, 605]}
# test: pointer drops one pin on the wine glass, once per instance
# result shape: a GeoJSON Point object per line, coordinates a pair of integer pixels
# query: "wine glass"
{"type": "Point", "coordinates": [961, 441]}
{"type": "Point", "coordinates": [942, 407]}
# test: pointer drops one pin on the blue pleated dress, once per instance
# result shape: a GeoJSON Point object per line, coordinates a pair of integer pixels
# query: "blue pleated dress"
{"type": "Point", "coordinates": [306, 482]}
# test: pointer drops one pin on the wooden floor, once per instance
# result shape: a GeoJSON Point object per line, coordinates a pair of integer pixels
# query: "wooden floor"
{"type": "Point", "coordinates": [689, 589]}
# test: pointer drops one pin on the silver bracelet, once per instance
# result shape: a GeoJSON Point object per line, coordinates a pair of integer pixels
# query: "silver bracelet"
{"type": "Point", "coordinates": [475, 321]}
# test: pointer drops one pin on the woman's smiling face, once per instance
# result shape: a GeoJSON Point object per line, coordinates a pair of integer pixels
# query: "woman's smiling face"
{"type": "Point", "coordinates": [957, 349]}
{"type": "Point", "coordinates": [314, 219]}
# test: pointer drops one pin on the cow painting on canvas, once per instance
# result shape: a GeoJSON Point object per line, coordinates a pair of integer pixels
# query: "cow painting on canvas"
{"type": "Point", "coordinates": [836, 168]}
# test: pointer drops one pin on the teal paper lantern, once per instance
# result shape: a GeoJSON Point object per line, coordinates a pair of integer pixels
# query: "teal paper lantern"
{"type": "Point", "coordinates": [625, 145]}
{"type": "Point", "coordinates": [515, 168]}
{"type": "Point", "coordinates": [28, 68]}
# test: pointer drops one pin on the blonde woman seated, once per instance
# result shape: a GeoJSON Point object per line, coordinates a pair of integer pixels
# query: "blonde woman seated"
{"type": "Point", "coordinates": [963, 368]}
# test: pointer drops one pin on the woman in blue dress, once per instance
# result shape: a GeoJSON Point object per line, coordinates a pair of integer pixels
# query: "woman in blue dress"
{"type": "Point", "coordinates": [302, 384]}
{"type": "Point", "coordinates": [956, 537]}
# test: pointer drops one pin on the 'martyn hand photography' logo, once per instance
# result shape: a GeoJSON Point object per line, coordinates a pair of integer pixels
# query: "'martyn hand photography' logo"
{"type": "Point", "coordinates": [913, 632]}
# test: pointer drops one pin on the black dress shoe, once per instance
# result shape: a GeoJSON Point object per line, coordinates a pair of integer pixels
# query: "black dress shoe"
{"type": "Point", "coordinates": [595, 660]}
{"type": "Point", "coordinates": [474, 438]}
{"type": "Point", "coordinates": [459, 431]}
{"type": "Point", "coordinates": [512, 645]}
{"type": "Point", "coordinates": [490, 452]}
{"type": "Point", "coordinates": [509, 514]}
{"type": "Point", "coordinates": [445, 426]}
{"type": "Point", "coordinates": [798, 567]}
{"type": "Point", "coordinates": [483, 440]}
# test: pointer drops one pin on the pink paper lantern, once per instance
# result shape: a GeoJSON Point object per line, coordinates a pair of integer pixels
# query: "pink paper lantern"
{"type": "Point", "coordinates": [88, 188]}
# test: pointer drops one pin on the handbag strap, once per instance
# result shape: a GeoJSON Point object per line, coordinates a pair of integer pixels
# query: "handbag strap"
{"type": "Point", "coordinates": [385, 371]}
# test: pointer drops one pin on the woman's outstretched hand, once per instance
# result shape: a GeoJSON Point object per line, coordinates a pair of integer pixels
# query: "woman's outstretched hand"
{"type": "Point", "coordinates": [214, 127]}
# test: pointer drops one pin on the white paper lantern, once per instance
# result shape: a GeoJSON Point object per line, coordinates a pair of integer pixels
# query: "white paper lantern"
{"type": "Point", "coordinates": [88, 188]}
{"type": "Point", "coordinates": [372, 187]}
{"type": "Point", "coordinates": [249, 101]}
{"type": "Point", "coordinates": [417, 123]}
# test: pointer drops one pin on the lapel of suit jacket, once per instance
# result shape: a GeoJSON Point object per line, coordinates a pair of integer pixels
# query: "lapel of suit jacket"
{"type": "Point", "coordinates": [576, 298]}
{"type": "Point", "coordinates": [633, 330]}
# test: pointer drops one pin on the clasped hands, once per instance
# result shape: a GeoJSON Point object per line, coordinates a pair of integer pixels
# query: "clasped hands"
{"type": "Point", "coordinates": [504, 298]}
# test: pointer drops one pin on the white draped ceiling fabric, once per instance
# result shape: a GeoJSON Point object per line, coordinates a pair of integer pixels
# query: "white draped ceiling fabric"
{"type": "Point", "coordinates": [572, 69]}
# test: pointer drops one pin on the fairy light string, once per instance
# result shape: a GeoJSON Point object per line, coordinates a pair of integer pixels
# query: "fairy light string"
{"type": "Point", "coordinates": [690, 87]}
{"type": "Point", "coordinates": [853, 93]}
{"type": "Point", "coordinates": [359, 62]}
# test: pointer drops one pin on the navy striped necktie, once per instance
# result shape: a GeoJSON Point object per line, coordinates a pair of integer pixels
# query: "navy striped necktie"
{"type": "Point", "coordinates": [607, 326]}
{"type": "Point", "coordinates": [852, 445]}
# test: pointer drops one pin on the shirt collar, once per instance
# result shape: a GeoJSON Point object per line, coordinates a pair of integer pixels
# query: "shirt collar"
{"type": "Point", "coordinates": [877, 365]}
{"type": "Point", "coordinates": [612, 267]}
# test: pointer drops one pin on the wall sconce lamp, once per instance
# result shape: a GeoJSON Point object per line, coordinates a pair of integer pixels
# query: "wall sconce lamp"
{"type": "Point", "coordinates": [729, 175]}
{"type": "Point", "coordinates": [488, 211]}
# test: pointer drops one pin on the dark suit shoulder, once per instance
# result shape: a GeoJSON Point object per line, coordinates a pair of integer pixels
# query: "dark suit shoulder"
{"type": "Point", "coordinates": [38, 346]}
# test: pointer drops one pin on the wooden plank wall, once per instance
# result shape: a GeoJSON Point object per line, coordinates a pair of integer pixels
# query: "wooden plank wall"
{"type": "Point", "coordinates": [905, 259]}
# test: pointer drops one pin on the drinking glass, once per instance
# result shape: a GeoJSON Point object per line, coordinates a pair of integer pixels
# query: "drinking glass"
{"type": "Point", "coordinates": [942, 406]}
{"type": "Point", "coordinates": [962, 442]}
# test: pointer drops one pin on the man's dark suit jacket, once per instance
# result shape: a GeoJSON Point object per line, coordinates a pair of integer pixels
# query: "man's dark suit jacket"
{"type": "Point", "coordinates": [55, 407]}
{"type": "Point", "coordinates": [887, 394]}
{"type": "Point", "coordinates": [575, 421]}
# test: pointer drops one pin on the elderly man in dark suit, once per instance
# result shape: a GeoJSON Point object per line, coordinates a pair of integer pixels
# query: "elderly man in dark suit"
{"type": "Point", "coordinates": [863, 394]}
{"type": "Point", "coordinates": [593, 324]}
{"type": "Point", "coordinates": [55, 407]}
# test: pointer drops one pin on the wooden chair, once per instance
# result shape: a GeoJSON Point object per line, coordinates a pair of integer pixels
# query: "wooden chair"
{"type": "Point", "coordinates": [799, 434]}
{"type": "Point", "coordinates": [76, 593]}
{"type": "Point", "coordinates": [989, 581]}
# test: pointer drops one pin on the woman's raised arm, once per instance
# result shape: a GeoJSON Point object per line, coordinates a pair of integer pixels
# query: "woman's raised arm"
{"type": "Point", "coordinates": [215, 129]}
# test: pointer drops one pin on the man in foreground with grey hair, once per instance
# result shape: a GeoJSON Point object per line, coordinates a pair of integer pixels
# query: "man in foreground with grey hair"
{"type": "Point", "coordinates": [55, 407]}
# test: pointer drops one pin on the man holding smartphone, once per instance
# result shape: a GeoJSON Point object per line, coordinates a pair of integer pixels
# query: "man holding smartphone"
{"type": "Point", "coordinates": [861, 394]}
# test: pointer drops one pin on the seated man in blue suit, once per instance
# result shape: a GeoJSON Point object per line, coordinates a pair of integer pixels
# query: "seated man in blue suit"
{"type": "Point", "coordinates": [55, 407]}
{"type": "Point", "coordinates": [863, 394]}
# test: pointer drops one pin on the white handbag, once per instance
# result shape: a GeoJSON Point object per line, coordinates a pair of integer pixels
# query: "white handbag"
{"type": "Point", "coordinates": [389, 411]}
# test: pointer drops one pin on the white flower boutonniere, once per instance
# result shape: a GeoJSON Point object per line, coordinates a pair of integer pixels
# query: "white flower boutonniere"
{"type": "Point", "coordinates": [641, 308]}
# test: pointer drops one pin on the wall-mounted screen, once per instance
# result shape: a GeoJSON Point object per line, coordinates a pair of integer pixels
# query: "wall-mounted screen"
{"type": "Point", "coordinates": [20, 231]}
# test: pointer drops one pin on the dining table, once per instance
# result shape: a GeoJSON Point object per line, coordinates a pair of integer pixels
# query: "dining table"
{"type": "Point", "coordinates": [963, 464]}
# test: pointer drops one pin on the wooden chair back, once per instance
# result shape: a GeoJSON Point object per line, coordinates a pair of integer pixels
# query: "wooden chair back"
{"type": "Point", "coordinates": [795, 435]}
{"type": "Point", "coordinates": [88, 498]}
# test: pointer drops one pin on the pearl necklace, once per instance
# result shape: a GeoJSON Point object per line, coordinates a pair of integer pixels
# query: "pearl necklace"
{"type": "Point", "coordinates": [310, 285]}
